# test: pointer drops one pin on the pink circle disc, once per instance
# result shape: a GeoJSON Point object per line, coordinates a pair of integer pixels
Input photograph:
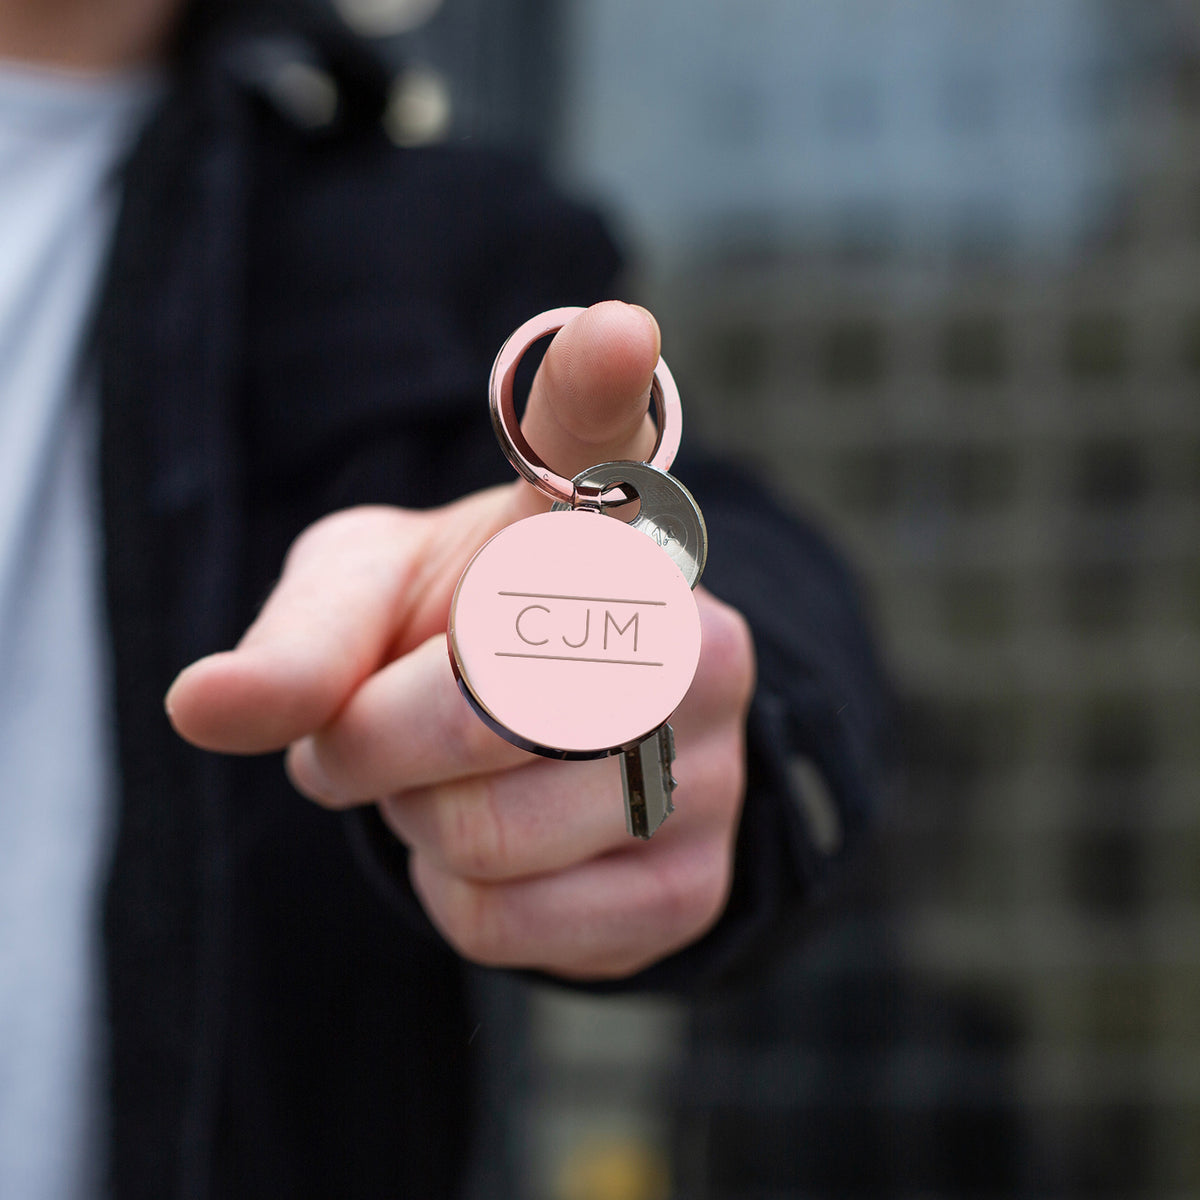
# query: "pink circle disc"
{"type": "Point", "coordinates": [573, 634]}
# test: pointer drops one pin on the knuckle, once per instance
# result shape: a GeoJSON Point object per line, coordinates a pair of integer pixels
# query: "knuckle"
{"type": "Point", "coordinates": [713, 778]}
{"type": "Point", "coordinates": [335, 529]}
{"type": "Point", "coordinates": [730, 764]}
{"type": "Point", "coordinates": [342, 757]}
{"type": "Point", "coordinates": [316, 536]}
{"type": "Point", "coordinates": [474, 744]}
{"type": "Point", "coordinates": [727, 781]}
{"type": "Point", "coordinates": [469, 740]}
{"type": "Point", "coordinates": [474, 740]}
{"type": "Point", "coordinates": [473, 925]}
{"type": "Point", "coordinates": [470, 831]}
{"type": "Point", "coordinates": [695, 890]}
{"type": "Point", "coordinates": [729, 647]}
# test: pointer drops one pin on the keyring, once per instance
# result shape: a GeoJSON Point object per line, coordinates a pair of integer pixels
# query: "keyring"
{"type": "Point", "coordinates": [664, 393]}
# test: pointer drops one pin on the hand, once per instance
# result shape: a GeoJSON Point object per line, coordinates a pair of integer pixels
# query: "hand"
{"type": "Point", "coordinates": [519, 860]}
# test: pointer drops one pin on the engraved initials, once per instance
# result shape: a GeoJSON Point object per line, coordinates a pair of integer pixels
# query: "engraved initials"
{"type": "Point", "coordinates": [587, 629]}
{"type": "Point", "coordinates": [517, 624]}
{"type": "Point", "coordinates": [620, 630]}
{"type": "Point", "coordinates": [524, 626]}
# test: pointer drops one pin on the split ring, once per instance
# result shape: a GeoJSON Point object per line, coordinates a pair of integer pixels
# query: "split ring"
{"type": "Point", "coordinates": [663, 392]}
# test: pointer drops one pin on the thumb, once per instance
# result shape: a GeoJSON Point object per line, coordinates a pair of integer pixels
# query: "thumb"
{"type": "Point", "coordinates": [589, 400]}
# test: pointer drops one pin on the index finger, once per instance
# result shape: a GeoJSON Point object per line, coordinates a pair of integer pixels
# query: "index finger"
{"type": "Point", "coordinates": [407, 726]}
{"type": "Point", "coordinates": [324, 628]}
{"type": "Point", "coordinates": [361, 587]}
{"type": "Point", "coordinates": [358, 589]}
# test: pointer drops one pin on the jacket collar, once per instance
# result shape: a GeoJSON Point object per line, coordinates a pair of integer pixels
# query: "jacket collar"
{"type": "Point", "coordinates": [296, 55]}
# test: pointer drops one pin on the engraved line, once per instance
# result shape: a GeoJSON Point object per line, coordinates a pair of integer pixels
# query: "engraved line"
{"type": "Point", "coordinates": [592, 599]}
{"type": "Point", "coordinates": [619, 662]}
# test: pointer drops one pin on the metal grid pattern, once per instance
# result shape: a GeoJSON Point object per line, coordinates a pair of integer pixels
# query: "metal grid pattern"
{"type": "Point", "coordinates": [1005, 435]}
{"type": "Point", "coordinates": [1011, 449]}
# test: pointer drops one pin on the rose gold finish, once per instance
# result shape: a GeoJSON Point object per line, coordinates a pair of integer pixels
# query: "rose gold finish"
{"type": "Point", "coordinates": [573, 635]}
{"type": "Point", "coordinates": [665, 395]}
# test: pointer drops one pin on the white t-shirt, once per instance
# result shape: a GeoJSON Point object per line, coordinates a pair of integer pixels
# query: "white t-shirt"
{"type": "Point", "coordinates": [61, 139]}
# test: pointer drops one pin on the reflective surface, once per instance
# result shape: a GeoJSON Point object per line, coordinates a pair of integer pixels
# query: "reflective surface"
{"type": "Point", "coordinates": [663, 394]}
{"type": "Point", "coordinates": [572, 635]}
{"type": "Point", "coordinates": [667, 512]}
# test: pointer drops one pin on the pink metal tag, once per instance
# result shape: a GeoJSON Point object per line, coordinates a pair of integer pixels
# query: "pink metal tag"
{"type": "Point", "coordinates": [573, 635]}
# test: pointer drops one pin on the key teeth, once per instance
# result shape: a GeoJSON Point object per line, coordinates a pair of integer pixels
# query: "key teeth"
{"type": "Point", "coordinates": [650, 760]}
{"type": "Point", "coordinates": [669, 786]}
{"type": "Point", "coordinates": [667, 760]}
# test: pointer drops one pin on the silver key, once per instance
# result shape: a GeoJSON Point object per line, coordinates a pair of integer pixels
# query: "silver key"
{"type": "Point", "coordinates": [670, 516]}
{"type": "Point", "coordinates": [647, 781]}
{"type": "Point", "coordinates": [669, 513]}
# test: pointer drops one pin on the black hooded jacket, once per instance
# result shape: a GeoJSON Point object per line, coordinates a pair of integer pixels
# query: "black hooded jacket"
{"type": "Point", "coordinates": [299, 316]}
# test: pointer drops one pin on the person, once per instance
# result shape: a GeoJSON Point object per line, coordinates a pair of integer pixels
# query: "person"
{"type": "Point", "coordinates": [265, 338]}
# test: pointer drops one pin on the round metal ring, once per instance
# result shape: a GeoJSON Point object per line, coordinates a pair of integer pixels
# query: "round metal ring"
{"type": "Point", "coordinates": [663, 392]}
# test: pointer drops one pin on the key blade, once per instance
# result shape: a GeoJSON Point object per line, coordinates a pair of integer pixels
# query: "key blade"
{"type": "Point", "coordinates": [648, 783]}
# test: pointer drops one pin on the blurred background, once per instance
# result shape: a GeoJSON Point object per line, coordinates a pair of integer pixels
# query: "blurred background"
{"type": "Point", "coordinates": [933, 266]}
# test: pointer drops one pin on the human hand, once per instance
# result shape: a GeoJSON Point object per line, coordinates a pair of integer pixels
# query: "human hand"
{"type": "Point", "coordinates": [519, 860]}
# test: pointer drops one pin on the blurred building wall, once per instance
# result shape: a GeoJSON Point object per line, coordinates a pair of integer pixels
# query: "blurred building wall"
{"type": "Point", "coordinates": [934, 268]}
{"type": "Point", "coordinates": [911, 122]}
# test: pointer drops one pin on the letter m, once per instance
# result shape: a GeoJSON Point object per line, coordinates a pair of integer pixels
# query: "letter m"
{"type": "Point", "coordinates": [620, 630]}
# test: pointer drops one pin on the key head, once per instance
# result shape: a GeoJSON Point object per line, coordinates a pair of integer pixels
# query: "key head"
{"type": "Point", "coordinates": [668, 513]}
{"type": "Point", "coordinates": [573, 635]}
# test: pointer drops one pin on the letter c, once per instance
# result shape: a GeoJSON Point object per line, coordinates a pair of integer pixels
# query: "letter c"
{"type": "Point", "coordinates": [517, 625]}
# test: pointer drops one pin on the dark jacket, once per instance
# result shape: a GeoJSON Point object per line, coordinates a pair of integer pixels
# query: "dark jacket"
{"type": "Point", "coordinates": [297, 319]}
